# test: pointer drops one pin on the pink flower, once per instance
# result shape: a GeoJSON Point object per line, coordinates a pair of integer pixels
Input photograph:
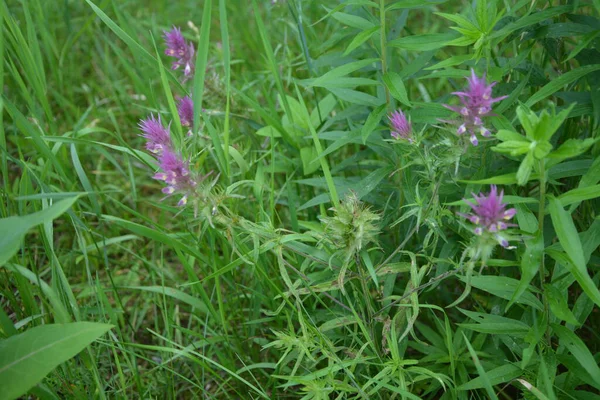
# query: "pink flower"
{"type": "Point", "coordinates": [157, 137]}
{"type": "Point", "coordinates": [490, 215]}
{"type": "Point", "coordinates": [175, 172]}
{"type": "Point", "coordinates": [476, 104]}
{"type": "Point", "coordinates": [185, 109]}
{"type": "Point", "coordinates": [184, 52]}
{"type": "Point", "coordinates": [401, 128]}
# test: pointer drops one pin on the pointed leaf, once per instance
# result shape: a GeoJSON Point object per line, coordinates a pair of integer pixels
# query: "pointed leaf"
{"type": "Point", "coordinates": [26, 358]}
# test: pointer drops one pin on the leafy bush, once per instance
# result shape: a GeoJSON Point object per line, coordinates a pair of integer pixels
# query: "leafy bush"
{"type": "Point", "coordinates": [350, 199]}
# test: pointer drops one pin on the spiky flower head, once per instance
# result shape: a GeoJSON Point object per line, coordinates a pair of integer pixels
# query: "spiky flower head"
{"type": "Point", "coordinates": [490, 215]}
{"type": "Point", "coordinates": [476, 104]}
{"type": "Point", "coordinates": [185, 109]}
{"type": "Point", "coordinates": [180, 49]}
{"type": "Point", "coordinates": [157, 136]}
{"type": "Point", "coordinates": [175, 172]}
{"type": "Point", "coordinates": [352, 227]}
{"type": "Point", "coordinates": [401, 127]}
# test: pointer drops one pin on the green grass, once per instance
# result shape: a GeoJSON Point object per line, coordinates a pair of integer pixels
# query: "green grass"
{"type": "Point", "coordinates": [238, 294]}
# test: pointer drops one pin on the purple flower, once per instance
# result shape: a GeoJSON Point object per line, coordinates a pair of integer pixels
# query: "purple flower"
{"type": "Point", "coordinates": [490, 215]}
{"type": "Point", "coordinates": [401, 128]}
{"type": "Point", "coordinates": [177, 47]}
{"type": "Point", "coordinates": [157, 137]}
{"type": "Point", "coordinates": [185, 109]}
{"type": "Point", "coordinates": [175, 172]}
{"type": "Point", "coordinates": [476, 104]}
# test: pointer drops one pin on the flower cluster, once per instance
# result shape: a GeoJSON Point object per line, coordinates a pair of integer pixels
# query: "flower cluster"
{"type": "Point", "coordinates": [185, 109]}
{"type": "Point", "coordinates": [490, 215]}
{"type": "Point", "coordinates": [180, 49]}
{"type": "Point", "coordinates": [476, 104]}
{"type": "Point", "coordinates": [173, 169]}
{"type": "Point", "coordinates": [401, 127]}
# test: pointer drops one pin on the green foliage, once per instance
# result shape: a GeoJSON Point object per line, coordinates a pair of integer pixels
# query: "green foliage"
{"type": "Point", "coordinates": [27, 357]}
{"type": "Point", "coordinates": [321, 257]}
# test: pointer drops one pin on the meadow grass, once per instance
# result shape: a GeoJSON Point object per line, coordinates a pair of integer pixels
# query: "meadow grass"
{"type": "Point", "coordinates": [320, 257]}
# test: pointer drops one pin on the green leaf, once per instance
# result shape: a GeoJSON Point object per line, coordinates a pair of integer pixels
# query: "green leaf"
{"type": "Point", "coordinates": [583, 42]}
{"type": "Point", "coordinates": [506, 179]}
{"type": "Point", "coordinates": [394, 83]}
{"type": "Point", "coordinates": [360, 39]}
{"type": "Point", "coordinates": [559, 305]}
{"type": "Point", "coordinates": [569, 240]}
{"type": "Point", "coordinates": [372, 121]}
{"type": "Point", "coordinates": [558, 83]}
{"type": "Point", "coordinates": [530, 263]}
{"type": "Point", "coordinates": [569, 149]}
{"type": "Point", "coordinates": [485, 380]}
{"type": "Point", "coordinates": [429, 41]}
{"type": "Point", "coordinates": [501, 374]}
{"type": "Point", "coordinates": [504, 287]}
{"type": "Point", "coordinates": [580, 194]}
{"type": "Point", "coordinates": [366, 258]}
{"type": "Point", "coordinates": [459, 20]}
{"type": "Point", "coordinates": [13, 229]}
{"type": "Point", "coordinates": [353, 21]}
{"type": "Point", "coordinates": [268, 131]}
{"type": "Point", "coordinates": [533, 390]}
{"type": "Point", "coordinates": [408, 4]}
{"type": "Point", "coordinates": [528, 120]}
{"type": "Point", "coordinates": [579, 350]}
{"type": "Point", "coordinates": [174, 293]}
{"type": "Point", "coordinates": [310, 164]}
{"type": "Point", "coordinates": [513, 147]}
{"type": "Point", "coordinates": [524, 172]}
{"type": "Point", "coordinates": [450, 62]}
{"type": "Point", "coordinates": [26, 358]}
{"type": "Point", "coordinates": [532, 19]}
{"type": "Point", "coordinates": [548, 123]}
{"type": "Point", "coordinates": [356, 97]}
{"type": "Point", "coordinates": [343, 70]}
{"type": "Point", "coordinates": [505, 135]}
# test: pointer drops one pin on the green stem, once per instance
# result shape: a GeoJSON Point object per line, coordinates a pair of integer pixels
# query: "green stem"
{"type": "Point", "coordinates": [383, 46]}
{"type": "Point", "coordinates": [541, 214]}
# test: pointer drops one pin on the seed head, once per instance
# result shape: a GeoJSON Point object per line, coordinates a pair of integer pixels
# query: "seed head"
{"type": "Point", "coordinates": [352, 227]}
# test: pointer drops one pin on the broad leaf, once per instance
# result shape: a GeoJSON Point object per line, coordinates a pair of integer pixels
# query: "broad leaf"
{"type": "Point", "coordinates": [26, 358]}
{"type": "Point", "coordinates": [13, 229]}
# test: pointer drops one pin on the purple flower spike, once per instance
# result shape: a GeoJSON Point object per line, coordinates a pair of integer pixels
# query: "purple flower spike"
{"type": "Point", "coordinates": [477, 103]}
{"type": "Point", "coordinates": [185, 109]}
{"type": "Point", "coordinates": [401, 128]}
{"type": "Point", "coordinates": [490, 215]}
{"type": "Point", "coordinates": [184, 52]}
{"type": "Point", "coordinates": [157, 137]}
{"type": "Point", "coordinates": [175, 173]}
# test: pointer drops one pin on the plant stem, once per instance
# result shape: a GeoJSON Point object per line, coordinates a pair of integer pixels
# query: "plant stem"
{"type": "Point", "coordinates": [541, 214]}
{"type": "Point", "coordinates": [383, 46]}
